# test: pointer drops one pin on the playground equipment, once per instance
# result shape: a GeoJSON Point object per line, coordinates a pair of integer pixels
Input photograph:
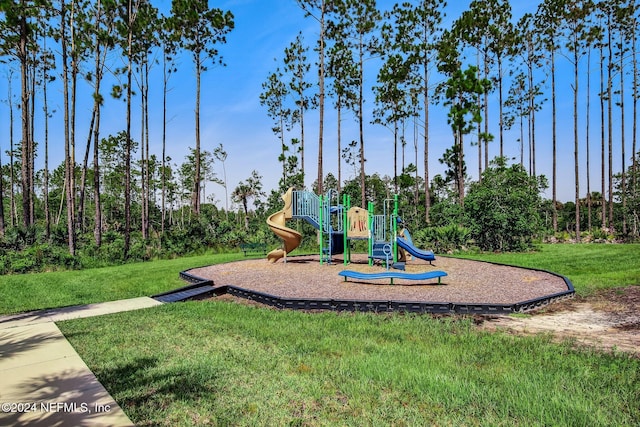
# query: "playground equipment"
{"type": "Point", "coordinates": [338, 224]}
{"type": "Point", "coordinates": [405, 245]}
{"type": "Point", "coordinates": [317, 211]}
{"type": "Point", "coordinates": [277, 222]}
{"type": "Point", "coordinates": [392, 275]}
{"type": "Point", "coordinates": [390, 244]}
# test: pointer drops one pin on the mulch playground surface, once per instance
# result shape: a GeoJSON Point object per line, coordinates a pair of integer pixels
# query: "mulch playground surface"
{"type": "Point", "coordinates": [467, 282]}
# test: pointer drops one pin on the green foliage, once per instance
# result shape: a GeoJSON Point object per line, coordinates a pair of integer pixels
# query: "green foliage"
{"type": "Point", "coordinates": [446, 212]}
{"type": "Point", "coordinates": [17, 238]}
{"type": "Point", "coordinates": [37, 257]}
{"type": "Point", "coordinates": [377, 190]}
{"type": "Point", "coordinates": [502, 210]}
{"type": "Point", "coordinates": [446, 239]}
{"type": "Point", "coordinates": [627, 189]}
{"type": "Point", "coordinates": [461, 91]}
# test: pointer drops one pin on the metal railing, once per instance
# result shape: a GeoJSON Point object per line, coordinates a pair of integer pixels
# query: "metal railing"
{"type": "Point", "coordinates": [306, 205]}
{"type": "Point", "coordinates": [379, 231]}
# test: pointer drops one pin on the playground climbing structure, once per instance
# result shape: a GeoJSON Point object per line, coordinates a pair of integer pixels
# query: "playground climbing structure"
{"type": "Point", "coordinates": [321, 212]}
{"type": "Point", "coordinates": [338, 224]}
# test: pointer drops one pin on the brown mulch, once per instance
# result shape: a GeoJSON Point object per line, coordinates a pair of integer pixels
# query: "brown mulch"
{"type": "Point", "coordinates": [467, 281]}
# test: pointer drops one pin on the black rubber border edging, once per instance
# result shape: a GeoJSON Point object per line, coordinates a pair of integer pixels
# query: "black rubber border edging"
{"type": "Point", "coordinates": [380, 306]}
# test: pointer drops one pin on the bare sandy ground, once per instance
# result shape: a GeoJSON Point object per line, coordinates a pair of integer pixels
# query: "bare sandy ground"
{"type": "Point", "coordinates": [609, 320]}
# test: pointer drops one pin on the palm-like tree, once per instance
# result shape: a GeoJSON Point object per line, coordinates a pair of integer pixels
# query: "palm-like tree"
{"type": "Point", "coordinates": [246, 190]}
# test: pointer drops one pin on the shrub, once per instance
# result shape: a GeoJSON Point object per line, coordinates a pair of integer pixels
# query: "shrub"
{"type": "Point", "coordinates": [502, 209]}
{"type": "Point", "coordinates": [38, 257]}
{"type": "Point", "coordinates": [445, 239]}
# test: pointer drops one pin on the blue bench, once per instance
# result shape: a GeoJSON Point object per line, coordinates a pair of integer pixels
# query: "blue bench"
{"type": "Point", "coordinates": [392, 275]}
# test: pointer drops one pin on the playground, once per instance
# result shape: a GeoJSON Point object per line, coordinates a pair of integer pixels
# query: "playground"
{"type": "Point", "coordinates": [467, 282]}
{"type": "Point", "coordinates": [392, 275]}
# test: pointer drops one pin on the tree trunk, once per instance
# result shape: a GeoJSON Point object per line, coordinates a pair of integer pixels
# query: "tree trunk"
{"type": "Point", "coordinates": [486, 121]}
{"type": "Point", "coordinates": [26, 138]}
{"type": "Point", "coordinates": [610, 130]}
{"type": "Point", "coordinates": [460, 168]}
{"type": "Point", "coordinates": [2, 221]}
{"type": "Point", "coordinates": [99, 67]}
{"type": "Point", "coordinates": [195, 198]}
{"type": "Point", "coordinates": [634, 165]}
{"type": "Point", "coordinates": [246, 213]}
{"type": "Point", "coordinates": [321, 96]}
{"type": "Point", "coordinates": [623, 173]}
{"type": "Point", "coordinates": [47, 212]}
{"type": "Point", "coordinates": [85, 167]}
{"type": "Point", "coordinates": [500, 119]}
{"type": "Point", "coordinates": [127, 155]}
{"type": "Point", "coordinates": [603, 203]}
{"type": "Point", "coordinates": [395, 156]}
{"type": "Point", "coordinates": [361, 124]}
{"type": "Point", "coordinates": [12, 178]}
{"type": "Point", "coordinates": [147, 195]}
{"type": "Point", "coordinates": [587, 140]}
{"type": "Point", "coordinates": [72, 116]}
{"type": "Point", "coordinates": [427, 190]}
{"type": "Point", "coordinates": [31, 147]}
{"type": "Point", "coordinates": [575, 141]}
{"type": "Point", "coordinates": [302, 102]}
{"type": "Point", "coordinates": [165, 81]}
{"type": "Point", "coordinates": [532, 133]}
{"type": "Point", "coordinates": [97, 228]}
{"type": "Point", "coordinates": [486, 118]}
{"type": "Point", "coordinates": [144, 134]}
{"type": "Point", "coordinates": [69, 167]}
{"type": "Point", "coordinates": [554, 185]}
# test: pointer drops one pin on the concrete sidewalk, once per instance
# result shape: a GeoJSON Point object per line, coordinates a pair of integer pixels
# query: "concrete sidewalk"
{"type": "Point", "coordinates": [44, 380]}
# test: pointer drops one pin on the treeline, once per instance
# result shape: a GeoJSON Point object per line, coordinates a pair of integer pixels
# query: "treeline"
{"type": "Point", "coordinates": [484, 54]}
{"type": "Point", "coordinates": [118, 188]}
{"type": "Point", "coordinates": [42, 40]}
{"type": "Point", "coordinates": [502, 212]}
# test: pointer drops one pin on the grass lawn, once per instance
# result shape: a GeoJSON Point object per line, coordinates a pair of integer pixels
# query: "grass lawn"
{"type": "Point", "coordinates": [25, 292]}
{"type": "Point", "coordinates": [589, 266]}
{"type": "Point", "coordinates": [221, 363]}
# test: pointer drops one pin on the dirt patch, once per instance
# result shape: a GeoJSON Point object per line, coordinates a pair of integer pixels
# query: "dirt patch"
{"type": "Point", "coordinates": [609, 320]}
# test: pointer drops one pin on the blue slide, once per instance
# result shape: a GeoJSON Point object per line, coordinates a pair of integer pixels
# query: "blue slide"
{"type": "Point", "coordinates": [407, 244]}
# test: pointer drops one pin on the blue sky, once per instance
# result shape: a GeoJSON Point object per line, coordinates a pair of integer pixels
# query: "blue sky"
{"type": "Point", "coordinates": [232, 115]}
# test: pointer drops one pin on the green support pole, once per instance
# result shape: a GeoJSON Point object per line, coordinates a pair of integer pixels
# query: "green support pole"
{"type": "Point", "coordinates": [394, 219]}
{"type": "Point", "coordinates": [346, 258]}
{"type": "Point", "coordinates": [371, 236]}
{"type": "Point", "coordinates": [320, 228]}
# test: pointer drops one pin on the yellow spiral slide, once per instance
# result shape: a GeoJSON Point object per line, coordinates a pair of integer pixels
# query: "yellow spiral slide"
{"type": "Point", "coordinates": [277, 222]}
